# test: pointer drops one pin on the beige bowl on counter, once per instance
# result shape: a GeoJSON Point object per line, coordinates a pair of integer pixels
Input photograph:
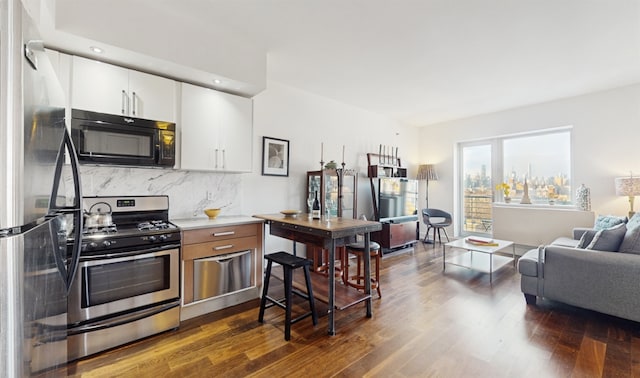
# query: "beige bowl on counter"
{"type": "Point", "coordinates": [212, 213]}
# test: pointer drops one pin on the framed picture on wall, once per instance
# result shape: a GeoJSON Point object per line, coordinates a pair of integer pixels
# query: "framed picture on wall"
{"type": "Point", "coordinates": [275, 157]}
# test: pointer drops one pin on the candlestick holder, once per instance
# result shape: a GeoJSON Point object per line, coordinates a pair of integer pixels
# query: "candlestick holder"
{"type": "Point", "coordinates": [340, 176]}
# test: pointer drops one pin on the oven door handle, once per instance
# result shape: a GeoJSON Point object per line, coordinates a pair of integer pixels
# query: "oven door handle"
{"type": "Point", "coordinates": [137, 252]}
{"type": "Point", "coordinates": [120, 320]}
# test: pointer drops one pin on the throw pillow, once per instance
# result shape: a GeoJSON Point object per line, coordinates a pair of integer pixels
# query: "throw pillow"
{"type": "Point", "coordinates": [586, 238]}
{"type": "Point", "coordinates": [631, 241]}
{"type": "Point", "coordinates": [607, 221]}
{"type": "Point", "coordinates": [609, 239]}
{"type": "Point", "coordinates": [634, 221]}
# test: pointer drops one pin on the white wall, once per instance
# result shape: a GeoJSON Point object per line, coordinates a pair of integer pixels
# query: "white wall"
{"type": "Point", "coordinates": [606, 134]}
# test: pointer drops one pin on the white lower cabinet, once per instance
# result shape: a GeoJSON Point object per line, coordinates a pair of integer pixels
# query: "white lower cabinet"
{"type": "Point", "coordinates": [216, 130]}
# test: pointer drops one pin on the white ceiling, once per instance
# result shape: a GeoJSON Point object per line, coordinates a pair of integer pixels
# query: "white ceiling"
{"type": "Point", "coordinates": [421, 62]}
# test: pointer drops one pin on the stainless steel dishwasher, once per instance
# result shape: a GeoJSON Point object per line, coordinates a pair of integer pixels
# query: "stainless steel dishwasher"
{"type": "Point", "coordinates": [222, 274]}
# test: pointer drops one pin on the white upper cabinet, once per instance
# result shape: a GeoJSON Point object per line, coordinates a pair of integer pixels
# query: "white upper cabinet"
{"type": "Point", "coordinates": [152, 97]}
{"type": "Point", "coordinates": [105, 88]}
{"type": "Point", "coordinates": [198, 128]}
{"type": "Point", "coordinates": [236, 132]}
{"type": "Point", "coordinates": [216, 130]}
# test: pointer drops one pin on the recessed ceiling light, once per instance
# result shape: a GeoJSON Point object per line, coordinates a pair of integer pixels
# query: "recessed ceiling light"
{"type": "Point", "coordinates": [217, 81]}
{"type": "Point", "coordinates": [96, 49]}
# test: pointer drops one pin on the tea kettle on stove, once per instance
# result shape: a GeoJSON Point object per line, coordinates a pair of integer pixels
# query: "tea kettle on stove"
{"type": "Point", "coordinates": [100, 217]}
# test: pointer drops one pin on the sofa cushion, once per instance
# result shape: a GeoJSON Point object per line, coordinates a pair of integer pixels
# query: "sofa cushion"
{"type": "Point", "coordinates": [608, 239]}
{"type": "Point", "coordinates": [607, 221]}
{"type": "Point", "coordinates": [528, 263]}
{"type": "Point", "coordinates": [631, 241]}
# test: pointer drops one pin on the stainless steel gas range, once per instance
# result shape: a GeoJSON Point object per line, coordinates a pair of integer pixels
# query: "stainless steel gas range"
{"type": "Point", "coordinates": [128, 281]}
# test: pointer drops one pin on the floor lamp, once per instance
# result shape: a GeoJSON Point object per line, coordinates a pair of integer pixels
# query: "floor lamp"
{"type": "Point", "coordinates": [427, 172]}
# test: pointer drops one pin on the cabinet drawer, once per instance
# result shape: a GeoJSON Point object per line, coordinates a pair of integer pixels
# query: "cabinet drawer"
{"type": "Point", "coordinates": [224, 274]}
{"type": "Point", "coordinates": [219, 247]}
{"type": "Point", "coordinates": [219, 233]}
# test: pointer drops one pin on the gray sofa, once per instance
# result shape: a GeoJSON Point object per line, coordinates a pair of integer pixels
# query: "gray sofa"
{"type": "Point", "coordinates": [599, 269]}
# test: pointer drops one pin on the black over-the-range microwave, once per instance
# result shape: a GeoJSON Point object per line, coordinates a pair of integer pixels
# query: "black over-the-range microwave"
{"type": "Point", "coordinates": [119, 140]}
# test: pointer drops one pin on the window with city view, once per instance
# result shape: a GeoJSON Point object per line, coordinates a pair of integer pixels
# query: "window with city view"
{"type": "Point", "coordinates": [541, 162]}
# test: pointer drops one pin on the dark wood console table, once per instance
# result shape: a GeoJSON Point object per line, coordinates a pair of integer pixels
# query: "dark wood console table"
{"type": "Point", "coordinates": [327, 234]}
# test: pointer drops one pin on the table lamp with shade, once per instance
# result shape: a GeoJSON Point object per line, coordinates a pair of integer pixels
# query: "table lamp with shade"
{"type": "Point", "coordinates": [628, 186]}
{"type": "Point", "coordinates": [427, 172]}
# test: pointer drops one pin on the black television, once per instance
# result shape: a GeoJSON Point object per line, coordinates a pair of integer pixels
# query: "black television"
{"type": "Point", "coordinates": [397, 199]}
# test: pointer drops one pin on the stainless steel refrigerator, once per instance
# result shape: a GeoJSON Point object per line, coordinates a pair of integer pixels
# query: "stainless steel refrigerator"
{"type": "Point", "coordinates": [40, 203]}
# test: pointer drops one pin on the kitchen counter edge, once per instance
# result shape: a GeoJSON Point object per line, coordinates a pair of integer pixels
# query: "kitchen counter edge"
{"type": "Point", "coordinates": [197, 223]}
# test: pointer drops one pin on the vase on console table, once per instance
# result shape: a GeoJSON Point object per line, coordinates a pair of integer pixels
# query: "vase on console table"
{"type": "Point", "coordinates": [583, 198]}
{"type": "Point", "coordinates": [507, 199]}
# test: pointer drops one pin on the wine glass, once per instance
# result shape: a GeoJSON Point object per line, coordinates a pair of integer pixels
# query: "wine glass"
{"type": "Point", "coordinates": [329, 206]}
{"type": "Point", "coordinates": [310, 203]}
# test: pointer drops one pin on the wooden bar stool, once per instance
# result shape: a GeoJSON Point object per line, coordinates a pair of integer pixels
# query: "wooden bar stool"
{"type": "Point", "coordinates": [320, 258]}
{"type": "Point", "coordinates": [357, 281]}
{"type": "Point", "coordinates": [289, 263]}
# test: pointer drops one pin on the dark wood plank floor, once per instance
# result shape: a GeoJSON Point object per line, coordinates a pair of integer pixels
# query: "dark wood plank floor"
{"type": "Point", "coordinates": [428, 323]}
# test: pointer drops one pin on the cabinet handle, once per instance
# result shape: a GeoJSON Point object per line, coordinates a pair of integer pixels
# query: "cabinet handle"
{"type": "Point", "coordinates": [124, 98]}
{"type": "Point", "coordinates": [224, 258]}
{"type": "Point", "coordinates": [223, 247]}
{"type": "Point", "coordinates": [226, 233]}
{"type": "Point", "coordinates": [216, 162]}
{"type": "Point", "coordinates": [133, 96]}
{"type": "Point", "coordinates": [224, 159]}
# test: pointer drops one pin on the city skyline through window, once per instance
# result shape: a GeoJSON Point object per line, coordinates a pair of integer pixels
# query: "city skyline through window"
{"type": "Point", "coordinates": [544, 161]}
{"type": "Point", "coordinates": [541, 160]}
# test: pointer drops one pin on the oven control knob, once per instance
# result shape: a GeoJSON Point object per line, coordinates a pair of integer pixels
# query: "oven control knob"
{"type": "Point", "coordinates": [106, 244]}
{"type": "Point", "coordinates": [92, 245]}
{"type": "Point", "coordinates": [152, 238]}
{"type": "Point", "coordinates": [163, 237]}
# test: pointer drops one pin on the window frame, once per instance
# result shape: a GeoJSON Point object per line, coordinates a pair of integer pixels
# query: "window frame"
{"type": "Point", "coordinates": [498, 169]}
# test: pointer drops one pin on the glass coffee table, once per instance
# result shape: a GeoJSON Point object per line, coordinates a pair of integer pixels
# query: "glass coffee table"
{"type": "Point", "coordinates": [479, 257]}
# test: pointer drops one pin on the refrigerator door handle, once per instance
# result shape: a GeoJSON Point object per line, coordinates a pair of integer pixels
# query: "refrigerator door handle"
{"type": "Point", "coordinates": [75, 169]}
{"type": "Point", "coordinates": [77, 224]}
{"type": "Point", "coordinates": [59, 253]}
{"type": "Point", "coordinates": [76, 209]}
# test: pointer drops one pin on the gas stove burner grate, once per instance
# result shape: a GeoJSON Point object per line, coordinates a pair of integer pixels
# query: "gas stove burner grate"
{"type": "Point", "coordinates": [153, 225]}
{"type": "Point", "coordinates": [100, 230]}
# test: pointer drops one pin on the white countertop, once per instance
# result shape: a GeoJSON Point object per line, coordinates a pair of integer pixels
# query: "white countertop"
{"type": "Point", "coordinates": [202, 222]}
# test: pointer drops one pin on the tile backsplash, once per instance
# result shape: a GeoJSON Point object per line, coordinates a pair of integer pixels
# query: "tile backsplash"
{"type": "Point", "coordinates": [187, 190]}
